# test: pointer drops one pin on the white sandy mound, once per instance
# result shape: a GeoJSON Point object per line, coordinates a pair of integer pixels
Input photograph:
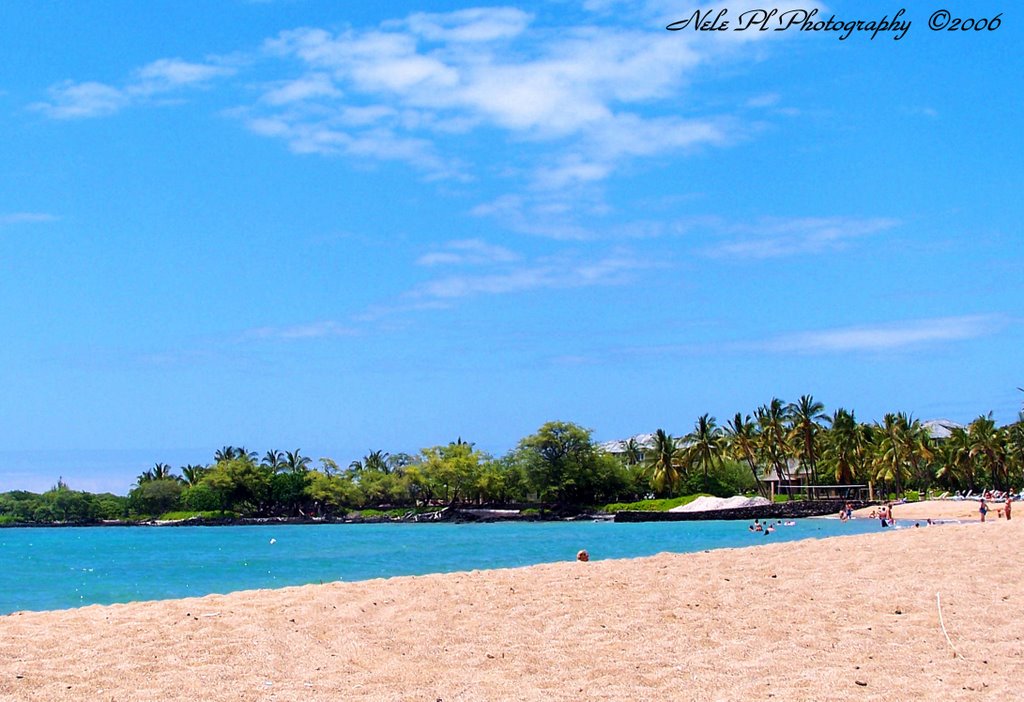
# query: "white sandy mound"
{"type": "Point", "coordinates": [707, 504]}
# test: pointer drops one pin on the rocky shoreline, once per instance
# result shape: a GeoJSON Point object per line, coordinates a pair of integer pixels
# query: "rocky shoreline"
{"type": "Point", "coordinates": [466, 515]}
{"type": "Point", "coordinates": [779, 510]}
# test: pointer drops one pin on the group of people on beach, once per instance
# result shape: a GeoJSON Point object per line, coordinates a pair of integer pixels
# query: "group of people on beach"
{"type": "Point", "coordinates": [884, 515]}
{"type": "Point", "coordinates": [1007, 507]}
{"type": "Point", "coordinates": [768, 527]}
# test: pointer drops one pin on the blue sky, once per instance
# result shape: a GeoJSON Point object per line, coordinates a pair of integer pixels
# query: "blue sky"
{"type": "Point", "coordinates": [320, 225]}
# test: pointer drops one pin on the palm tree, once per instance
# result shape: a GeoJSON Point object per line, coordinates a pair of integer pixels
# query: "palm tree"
{"type": "Point", "coordinates": [844, 446]}
{"type": "Point", "coordinates": [274, 460]}
{"type": "Point", "coordinates": [663, 463]}
{"type": "Point", "coordinates": [241, 452]}
{"type": "Point", "coordinates": [193, 474]}
{"type": "Point", "coordinates": [989, 444]}
{"type": "Point", "coordinates": [705, 446]}
{"type": "Point", "coordinates": [741, 442]}
{"type": "Point", "coordinates": [901, 451]}
{"type": "Point", "coordinates": [920, 454]}
{"type": "Point", "coordinates": [773, 446]}
{"type": "Point", "coordinates": [957, 466]}
{"type": "Point", "coordinates": [295, 462]}
{"type": "Point", "coordinates": [378, 460]}
{"type": "Point", "coordinates": [159, 471]}
{"type": "Point", "coordinates": [804, 414]}
{"type": "Point", "coordinates": [398, 462]}
{"type": "Point", "coordinates": [633, 452]}
{"type": "Point", "coordinates": [226, 453]}
{"type": "Point", "coordinates": [162, 471]}
{"type": "Point", "coordinates": [1015, 449]}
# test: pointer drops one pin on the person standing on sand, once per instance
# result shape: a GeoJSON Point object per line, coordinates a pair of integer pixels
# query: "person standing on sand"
{"type": "Point", "coordinates": [982, 509]}
{"type": "Point", "coordinates": [1009, 504]}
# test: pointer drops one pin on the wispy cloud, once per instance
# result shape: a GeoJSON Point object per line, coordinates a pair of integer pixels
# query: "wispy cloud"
{"type": "Point", "coordinates": [80, 100]}
{"type": "Point", "coordinates": [166, 75]}
{"type": "Point", "coordinates": [70, 100]}
{"type": "Point", "coordinates": [581, 100]}
{"type": "Point", "coordinates": [613, 269]}
{"type": "Point", "coordinates": [432, 74]}
{"type": "Point", "coordinates": [313, 330]}
{"type": "Point", "coordinates": [472, 252]}
{"type": "Point", "coordinates": [887, 337]}
{"type": "Point", "coordinates": [777, 237]}
{"type": "Point", "coordinates": [538, 214]}
{"type": "Point", "coordinates": [26, 218]}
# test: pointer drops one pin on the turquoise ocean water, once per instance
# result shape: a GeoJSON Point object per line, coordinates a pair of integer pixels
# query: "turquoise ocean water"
{"type": "Point", "coordinates": [58, 568]}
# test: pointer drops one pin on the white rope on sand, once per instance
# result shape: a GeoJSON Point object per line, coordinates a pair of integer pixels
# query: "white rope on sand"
{"type": "Point", "coordinates": [938, 603]}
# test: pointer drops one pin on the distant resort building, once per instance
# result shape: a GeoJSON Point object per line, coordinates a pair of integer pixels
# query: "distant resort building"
{"type": "Point", "coordinates": [797, 477]}
{"type": "Point", "coordinates": [940, 429]}
{"type": "Point", "coordinates": [620, 447]}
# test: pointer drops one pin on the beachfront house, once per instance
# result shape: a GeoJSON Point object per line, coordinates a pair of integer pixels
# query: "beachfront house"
{"type": "Point", "coordinates": [639, 444]}
{"type": "Point", "coordinates": [939, 430]}
{"type": "Point", "coordinates": [795, 479]}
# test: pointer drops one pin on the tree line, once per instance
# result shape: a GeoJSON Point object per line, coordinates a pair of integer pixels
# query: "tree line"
{"type": "Point", "coordinates": [560, 467]}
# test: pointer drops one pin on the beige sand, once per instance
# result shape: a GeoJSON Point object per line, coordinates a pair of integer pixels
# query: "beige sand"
{"type": "Point", "coordinates": [848, 618]}
{"type": "Point", "coordinates": [962, 510]}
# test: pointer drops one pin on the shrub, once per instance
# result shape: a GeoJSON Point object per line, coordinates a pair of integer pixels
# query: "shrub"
{"type": "Point", "coordinates": [663, 505]}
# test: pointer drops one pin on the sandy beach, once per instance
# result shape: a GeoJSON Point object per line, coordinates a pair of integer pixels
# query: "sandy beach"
{"type": "Point", "coordinates": [848, 618]}
{"type": "Point", "coordinates": [960, 510]}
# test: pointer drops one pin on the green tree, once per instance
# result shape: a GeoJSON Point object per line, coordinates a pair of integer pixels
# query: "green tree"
{"type": "Point", "coordinates": [67, 505]}
{"type": "Point", "coordinates": [704, 447]}
{"type": "Point", "coordinates": [193, 474]}
{"type": "Point", "coordinates": [242, 485]}
{"type": "Point", "coordinates": [201, 498]}
{"type": "Point", "coordinates": [804, 415]}
{"type": "Point", "coordinates": [957, 468]}
{"type": "Point", "coordinates": [295, 462]}
{"type": "Point", "coordinates": [273, 460]}
{"type": "Point", "coordinates": [634, 452]}
{"type": "Point", "coordinates": [741, 445]}
{"type": "Point", "coordinates": [154, 497]}
{"type": "Point", "coordinates": [901, 450]}
{"type": "Point", "coordinates": [450, 473]}
{"type": "Point", "coordinates": [844, 447]}
{"type": "Point", "coordinates": [288, 492]}
{"type": "Point", "coordinates": [774, 448]}
{"type": "Point", "coordinates": [663, 463]}
{"type": "Point", "coordinates": [561, 464]}
{"type": "Point", "coordinates": [988, 444]}
{"type": "Point", "coordinates": [159, 471]}
{"type": "Point", "coordinates": [331, 492]}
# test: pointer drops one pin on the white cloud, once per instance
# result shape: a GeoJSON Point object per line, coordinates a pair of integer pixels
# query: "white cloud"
{"type": "Point", "coordinates": [26, 218]}
{"type": "Point", "coordinates": [764, 100]}
{"type": "Point", "coordinates": [70, 100]}
{"type": "Point", "coordinates": [614, 269]}
{"type": "Point", "coordinates": [165, 75]}
{"type": "Point", "coordinates": [479, 24]}
{"type": "Point", "coordinates": [777, 237]}
{"type": "Point", "coordinates": [473, 252]}
{"type": "Point", "coordinates": [313, 85]}
{"type": "Point", "coordinates": [74, 100]}
{"type": "Point", "coordinates": [313, 330]}
{"type": "Point", "coordinates": [886, 337]}
{"type": "Point", "coordinates": [588, 98]}
{"type": "Point", "coordinates": [542, 215]}
{"type": "Point", "coordinates": [433, 74]}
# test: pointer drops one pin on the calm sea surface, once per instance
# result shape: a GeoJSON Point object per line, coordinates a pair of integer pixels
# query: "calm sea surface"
{"type": "Point", "coordinates": [59, 568]}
